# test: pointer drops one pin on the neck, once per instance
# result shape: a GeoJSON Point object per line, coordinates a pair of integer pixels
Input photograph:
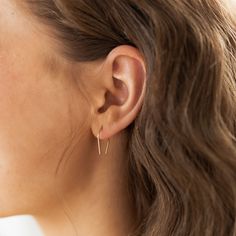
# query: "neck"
{"type": "Point", "coordinates": [100, 207]}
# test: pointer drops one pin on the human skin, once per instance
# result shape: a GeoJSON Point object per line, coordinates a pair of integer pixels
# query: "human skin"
{"type": "Point", "coordinates": [49, 162]}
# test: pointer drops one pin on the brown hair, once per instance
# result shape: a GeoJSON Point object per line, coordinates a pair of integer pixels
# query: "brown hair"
{"type": "Point", "coordinates": [182, 152]}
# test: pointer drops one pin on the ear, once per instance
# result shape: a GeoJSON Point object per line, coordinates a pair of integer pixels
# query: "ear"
{"type": "Point", "coordinates": [123, 83]}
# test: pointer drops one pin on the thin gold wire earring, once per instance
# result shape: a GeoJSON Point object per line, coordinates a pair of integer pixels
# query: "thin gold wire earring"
{"type": "Point", "coordinates": [99, 143]}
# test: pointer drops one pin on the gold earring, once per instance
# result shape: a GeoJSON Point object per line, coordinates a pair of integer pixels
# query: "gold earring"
{"type": "Point", "coordinates": [99, 145]}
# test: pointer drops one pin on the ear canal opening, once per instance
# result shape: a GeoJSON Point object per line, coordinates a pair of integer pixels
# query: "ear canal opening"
{"type": "Point", "coordinates": [114, 99]}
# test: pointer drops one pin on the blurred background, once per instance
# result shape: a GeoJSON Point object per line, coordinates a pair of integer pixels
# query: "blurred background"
{"type": "Point", "coordinates": [26, 225]}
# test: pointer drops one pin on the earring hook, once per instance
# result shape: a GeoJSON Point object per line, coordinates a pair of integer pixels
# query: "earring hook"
{"type": "Point", "coordinates": [99, 143]}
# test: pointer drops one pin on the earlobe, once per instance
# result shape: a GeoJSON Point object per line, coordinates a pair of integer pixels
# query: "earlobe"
{"type": "Point", "coordinates": [124, 96]}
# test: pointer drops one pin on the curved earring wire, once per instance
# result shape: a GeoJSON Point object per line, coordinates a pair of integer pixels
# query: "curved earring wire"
{"type": "Point", "coordinates": [99, 143]}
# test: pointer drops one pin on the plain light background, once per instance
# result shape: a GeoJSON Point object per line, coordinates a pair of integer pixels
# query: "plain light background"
{"type": "Point", "coordinates": [26, 225]}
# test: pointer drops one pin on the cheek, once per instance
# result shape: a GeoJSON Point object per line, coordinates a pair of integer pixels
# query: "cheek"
{"type": "Point", "coordinates": [34, 122]}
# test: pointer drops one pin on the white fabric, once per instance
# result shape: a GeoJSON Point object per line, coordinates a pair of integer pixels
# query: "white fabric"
{"type": "Point", "coordinates": [19, 226]}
